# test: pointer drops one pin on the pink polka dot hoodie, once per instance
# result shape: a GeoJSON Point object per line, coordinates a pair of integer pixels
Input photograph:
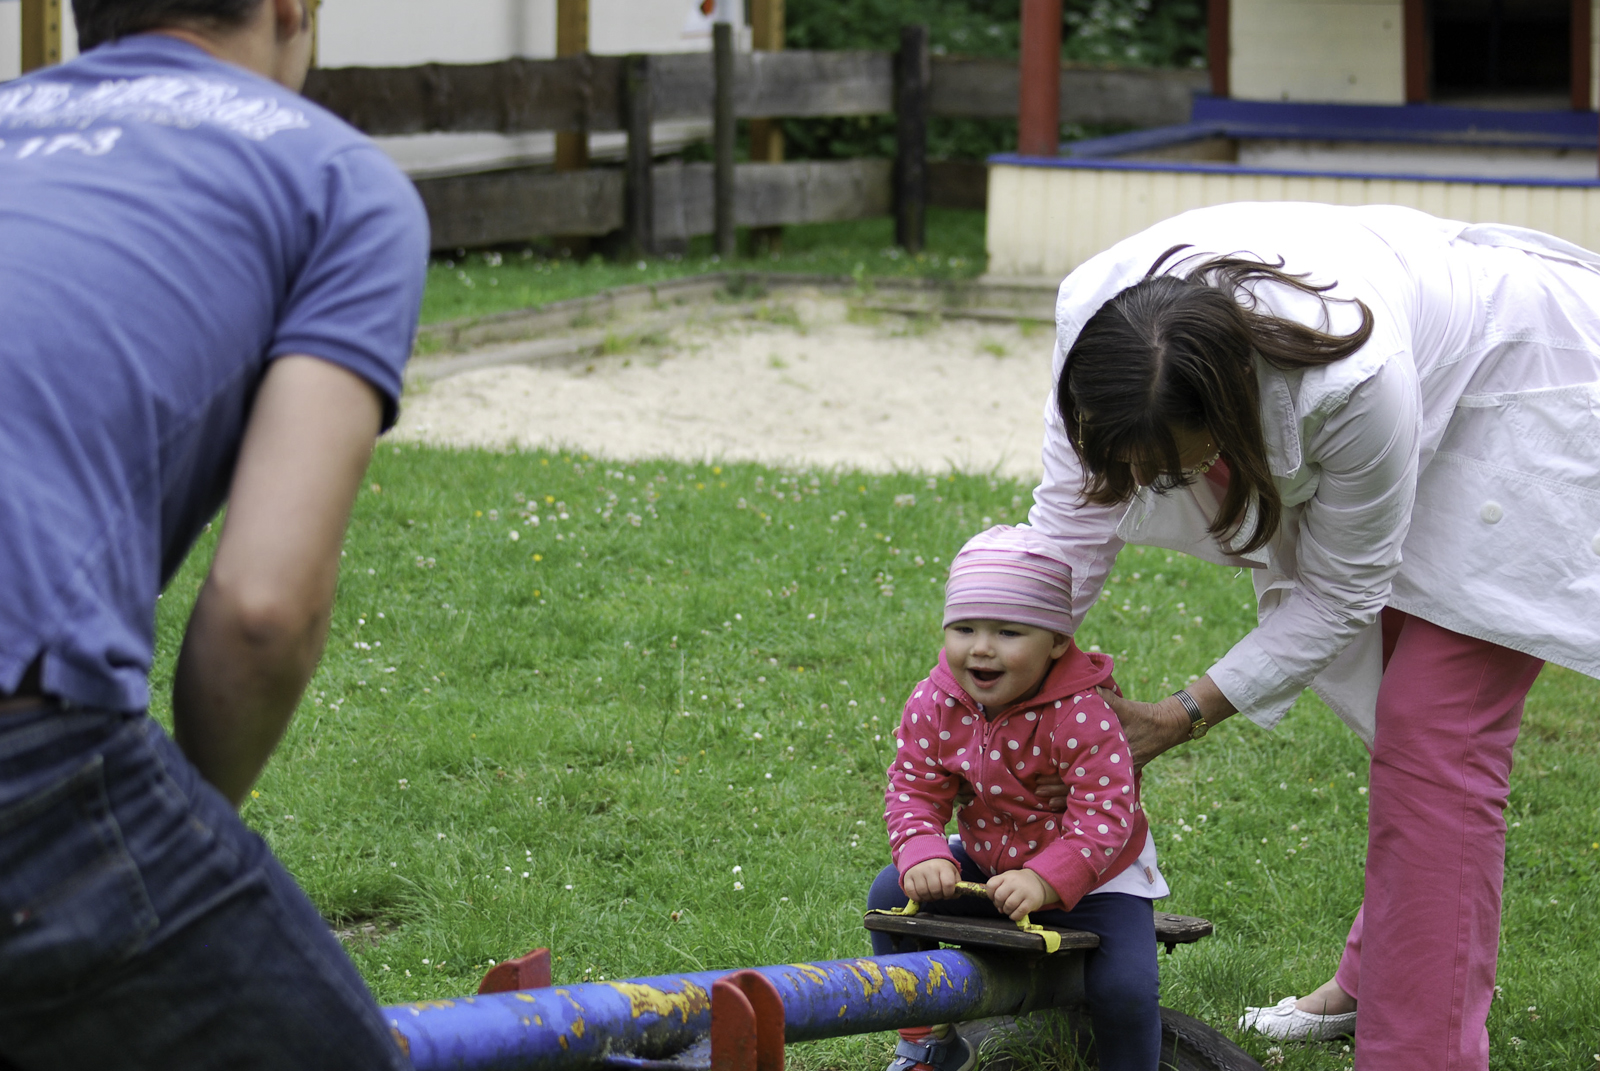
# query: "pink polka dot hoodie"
{"type": "Point", "coordinates": [946, 738]}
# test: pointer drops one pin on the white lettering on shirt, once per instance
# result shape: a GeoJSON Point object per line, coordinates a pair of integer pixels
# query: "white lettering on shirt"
{"type": "Point", "coordinates": [182, 101]}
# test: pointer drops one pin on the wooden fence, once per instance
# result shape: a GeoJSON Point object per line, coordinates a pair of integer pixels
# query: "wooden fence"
{"type": "Point", "coordinates": [655, 203]}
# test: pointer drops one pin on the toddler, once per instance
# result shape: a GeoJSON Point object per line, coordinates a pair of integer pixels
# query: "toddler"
{"type": "Point", "coordinates": [1013, 700]}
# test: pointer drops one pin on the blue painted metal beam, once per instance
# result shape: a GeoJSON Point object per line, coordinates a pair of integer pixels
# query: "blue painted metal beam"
{"type": "Point", "coordinates": [574, 1028]}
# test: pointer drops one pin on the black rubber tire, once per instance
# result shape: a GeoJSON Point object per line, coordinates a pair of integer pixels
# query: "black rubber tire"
{"type": "Point", "coordinates": [1187, 1044]}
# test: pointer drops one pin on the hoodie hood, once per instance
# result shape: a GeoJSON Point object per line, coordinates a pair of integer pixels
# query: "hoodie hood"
{"type": "Point", "coordinates": [1075, 671]}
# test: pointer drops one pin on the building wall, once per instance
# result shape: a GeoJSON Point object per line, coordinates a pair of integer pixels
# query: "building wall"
{"type": "Point", "coordinates": [1344, 51]}
{"type": "Point", "coordinates": [383, 33]}
{"type": "Point", "coordinates": [1045, 221]}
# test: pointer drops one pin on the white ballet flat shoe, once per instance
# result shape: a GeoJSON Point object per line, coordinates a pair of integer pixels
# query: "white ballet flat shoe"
{"type": "Point", "coordinates": [1285, 1022]}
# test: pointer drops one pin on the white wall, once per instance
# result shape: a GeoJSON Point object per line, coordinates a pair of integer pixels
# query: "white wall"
{"type": "Point", "coordinates": [381, 33]}
{"type": "Point", "coordinates": [10, 39]}
{"type": "Point", "coordinates": [1344, 51]}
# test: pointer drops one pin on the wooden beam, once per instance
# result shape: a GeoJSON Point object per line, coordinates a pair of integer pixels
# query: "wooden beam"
{"type": "Point", "coordinates": [572, 39]}
{"type": "Point", "coordinates": [1219, 45]}
{"type": "Point", "coordinates": [911, 139]}
{"type": "Point", "coordinates": [512, 96]}
{"type": "Point", "coordinates": [1581, 34]}
{"type": "Point", "coordinates": [639, 211]}
{"type": "Point", "coordinates": [723, 133]}
{"type": "Point", "coordinates": [793, 84]}
{"type": "Point", "coordinates": [581, 92]}
{"type": "Point", "coordinates": [494, 207]}
{"type": "Point", "coordinates": [766, 135]}
{"type": "Point", "coordinates": [1039, 93]}
{"type": "Point", "coordinates": [316, 30]}
{"type": "Point", "coordinates": [988, 89]}
{"type": "Point", "coordinates": [521, 204]}
{"type": "Point", "coordinates": [771, 195]}
{"type": "Point", "coordinates": [1418, 51]}
{"type": "Point", "coordinates": [41, 34]}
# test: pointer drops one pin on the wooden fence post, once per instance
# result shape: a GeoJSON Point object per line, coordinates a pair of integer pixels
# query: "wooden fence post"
{"type": "Point", "coordinates": [41, 34]}
{"type": "Point", "coordinates": [722, 141]}
{"type": "Point", "coordinates": [911, 78]}
{"type": "Point", "coordinates": [766, 135]}
{"type": "Point", "coordinates": [572, 39]}
{"type": "Point", "coordinates": [639, 209]}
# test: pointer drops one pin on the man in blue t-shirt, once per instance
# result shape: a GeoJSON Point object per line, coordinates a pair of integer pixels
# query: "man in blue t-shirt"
{"type": "Point", "coordinates": [208, 290]}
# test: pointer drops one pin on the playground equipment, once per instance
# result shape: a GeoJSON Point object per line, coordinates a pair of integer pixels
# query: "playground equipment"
{"type": "Point", "coordinates": [739, 1020]}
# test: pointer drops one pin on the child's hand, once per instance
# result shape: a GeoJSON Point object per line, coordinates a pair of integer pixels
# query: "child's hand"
{"type": "Point", "coordinates": [931, 879]}
{"type": "Point", "coordinates": [1020, 892]}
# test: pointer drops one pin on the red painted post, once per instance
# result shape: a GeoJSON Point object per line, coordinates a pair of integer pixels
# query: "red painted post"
{"type": "Point", "coordinates": [1418, 47]}
{"type": "Point", "coordinates": [746, 1023]}
{"type": "Point", "coordinates": [1039, 106]}
{"type": "Point", "coordinates": [1219, 43]}
{"type": "Point", "coordinates": [527, 972]}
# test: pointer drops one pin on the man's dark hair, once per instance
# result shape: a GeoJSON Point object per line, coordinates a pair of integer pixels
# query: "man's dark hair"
{"type": "Point", "coordinates": [100, 21]}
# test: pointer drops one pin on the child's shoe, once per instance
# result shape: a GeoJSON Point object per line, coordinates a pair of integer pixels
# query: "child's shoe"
{"type": "Point", "coordinates": [949, 1053]}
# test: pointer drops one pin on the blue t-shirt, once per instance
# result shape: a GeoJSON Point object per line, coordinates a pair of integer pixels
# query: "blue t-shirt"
{"type": "Point", "coordinates": [169, 224]}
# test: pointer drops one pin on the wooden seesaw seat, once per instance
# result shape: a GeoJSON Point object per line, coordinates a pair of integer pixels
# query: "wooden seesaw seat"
{"type": "Point", "coordinates": [925, 930]}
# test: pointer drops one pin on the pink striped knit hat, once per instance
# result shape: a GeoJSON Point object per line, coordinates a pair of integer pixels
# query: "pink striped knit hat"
{"type": "Point", "coordinates": [1010, 573]}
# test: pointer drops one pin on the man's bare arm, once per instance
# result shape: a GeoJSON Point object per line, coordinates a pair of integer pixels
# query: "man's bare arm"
{"type": "Point", "coordinates": [261, 619]}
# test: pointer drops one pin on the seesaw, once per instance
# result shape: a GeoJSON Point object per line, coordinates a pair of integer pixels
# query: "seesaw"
{"type": "Point", "coordinates": [995, 980]}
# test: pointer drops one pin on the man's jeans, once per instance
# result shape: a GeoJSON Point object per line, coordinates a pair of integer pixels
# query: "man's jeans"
{"type": "Point", "coordinates": [143, 925]}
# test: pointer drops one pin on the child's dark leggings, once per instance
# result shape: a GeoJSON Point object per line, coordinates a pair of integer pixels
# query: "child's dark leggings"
{"type": "Point", "coordinates": [1120, 977]}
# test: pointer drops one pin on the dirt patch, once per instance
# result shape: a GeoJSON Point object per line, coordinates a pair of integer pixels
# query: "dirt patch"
{"type": "Point", "coordinates": [806, 381]}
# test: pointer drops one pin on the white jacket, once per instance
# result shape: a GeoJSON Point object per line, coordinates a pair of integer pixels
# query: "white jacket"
{"type": "Point", "coordinates": [1450, 468]}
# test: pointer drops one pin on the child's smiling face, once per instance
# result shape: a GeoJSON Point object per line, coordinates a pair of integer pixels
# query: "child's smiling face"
{"type": "Point", "coordinates": [1001, 662]}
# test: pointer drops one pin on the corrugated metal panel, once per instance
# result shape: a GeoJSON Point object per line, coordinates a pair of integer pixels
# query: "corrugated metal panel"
{"type": "Point", "coordinates": [1045, 221]}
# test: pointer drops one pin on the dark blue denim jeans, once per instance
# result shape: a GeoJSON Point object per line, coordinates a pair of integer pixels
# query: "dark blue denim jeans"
{"type": "Point", "coordinates": [1121, 978]}
{"type": "Point", "coordinates": [143, 925]}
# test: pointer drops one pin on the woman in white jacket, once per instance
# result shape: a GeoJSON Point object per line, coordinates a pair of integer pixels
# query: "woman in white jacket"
{"type": "Point", "coordinates": [1394, 422]}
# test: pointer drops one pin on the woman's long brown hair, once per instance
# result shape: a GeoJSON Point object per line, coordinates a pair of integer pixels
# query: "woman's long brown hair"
{"type": "Point", "coordinates": [1178, 351]}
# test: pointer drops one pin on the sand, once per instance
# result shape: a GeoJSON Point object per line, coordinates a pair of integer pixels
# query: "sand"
{"type": "Point", "coordinates": [806, 382]}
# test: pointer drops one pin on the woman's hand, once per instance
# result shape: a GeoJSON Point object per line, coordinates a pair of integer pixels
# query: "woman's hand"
{"type": "Point", "coordinates": [1153, 728]}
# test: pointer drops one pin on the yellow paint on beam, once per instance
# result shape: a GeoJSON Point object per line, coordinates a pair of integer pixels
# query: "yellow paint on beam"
{"type": "Point", "coordinates": [812, 973]}
{"type": "Point", "coordinates": [905, 983]}
{"type": "Point", "coordinates": [868, 974]}
{"type": "Point", "coordinates": [642, 999]}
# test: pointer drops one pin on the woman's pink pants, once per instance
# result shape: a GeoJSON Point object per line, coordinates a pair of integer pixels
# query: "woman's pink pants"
{"type": "Point", "coordinates": [1421, 956]}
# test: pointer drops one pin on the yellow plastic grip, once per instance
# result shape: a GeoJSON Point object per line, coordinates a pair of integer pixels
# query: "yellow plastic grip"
{"type": "Point", "coordinates": [1052, 939]}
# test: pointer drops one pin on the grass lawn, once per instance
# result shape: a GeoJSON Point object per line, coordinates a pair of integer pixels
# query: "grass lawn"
{"type": "Point", "coordinates": [480, 283]}
{"type": "Point", "coordinates": [650, 732]}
